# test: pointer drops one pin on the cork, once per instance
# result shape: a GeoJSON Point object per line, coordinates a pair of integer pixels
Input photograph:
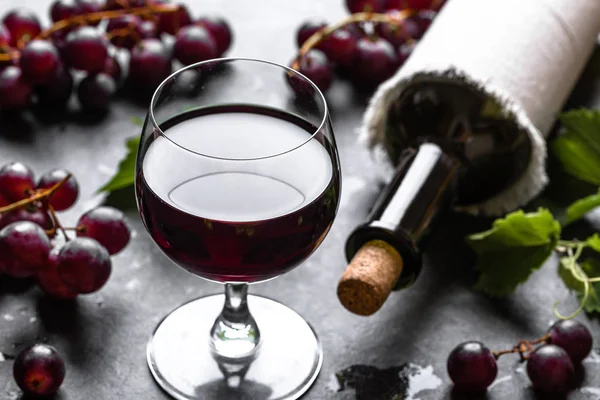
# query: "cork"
{"type": "Point", "coordinates": [370, 277]}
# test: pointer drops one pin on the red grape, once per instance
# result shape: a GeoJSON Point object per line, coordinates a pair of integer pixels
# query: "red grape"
{"type": "Point", "coordinates": [404, 51]}
{"type": "Point", "coordinates": [21, 214]}
{"type": "Point", "coordinates": [148, 29]}
{"type": "Point", "coordinates": [340, 47]}
{"type": "Point", "coordinates": [3, 201]}
{"type": "Point", "coordinates": [39, 370]}
{"type": "Point", "coordinates": [171, 22]}
{"type": "Point", "coordinates": [573, 337]}
{"type": "Point", "coordinates": [107, 225]}
{"type": "Point", "coordinates": [24, 249]}
{"type": "Point", "coordinates": [397, 35]}
{"type": "Point", "coordinates": [84, 265]}
{"type": "Point", "coordinates": [220, 31]}
{"type": "Point", "coordinates": [22, 24]}
{"type": "Point", "coordinates": [424, 19]}
{"type": "Point", "coordinates": [404, 4]}
{"type": "Point", "coordinates": [16, 180]}
{"type": "Point", "coordinates": [356, 30]}
{"type": "Point", "coordinates": [15, 91]}
{"type": "Point", "coordinates": [438, 4]}
{"type": "Point", "coordinates": [149, 65]}
{"type": "Point", "coordinates": [95, 91]}
{"type": "Point", "coordinates": [66, 195]}
{"type": "Point", "coordinates": [128, 21]}
{"type": "Point", "coordinates": [63, 9]}
{"type": "Point", "coordinates": [86, 49]}
{"type": "Point", "coordinates": [356, 6]}
{"type": "Point", "coordinates": [113, 69]}
{"type": "Point", "coordinates": [315, 66]}
{"type": "Point", "coordinates": [550, 369]}
{"type": "Point", "coordinates": [121, 4]}
{"type": "Point", "coordinates": [375, 62]}
{"type": "Point", "coordinates": [39, 61]}
{"type": "Point", "coordinates": [59, 39]}
{"type": "Point", "coordinates": [194, 44]}
{"type": "Point", "coordinates": [472, 367]}
{"type": "Point", "coordinates": [4, 37]}
{"type": "Point", "coordinates": [49, 281]}
{"type": "Point", "coordinates": [308, 29]}
{"type": "Point", "coordinates": [89, 7]}
{"type": "Point", "coordinates": [57, 92]}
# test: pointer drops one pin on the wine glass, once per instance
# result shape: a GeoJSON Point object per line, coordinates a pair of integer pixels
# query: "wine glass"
{"type": "Point", "coordinates": [238, 182]}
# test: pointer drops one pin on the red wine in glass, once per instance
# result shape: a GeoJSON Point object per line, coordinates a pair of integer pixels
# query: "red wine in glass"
{"type": "Point", "coordinates": [230, 218]}
{"type": "Point", "coordinates": [237, 181]}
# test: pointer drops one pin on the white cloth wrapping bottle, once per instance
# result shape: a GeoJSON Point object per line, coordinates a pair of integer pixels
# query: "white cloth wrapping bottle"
{"type": "Point", "coordinates": [527, 54]}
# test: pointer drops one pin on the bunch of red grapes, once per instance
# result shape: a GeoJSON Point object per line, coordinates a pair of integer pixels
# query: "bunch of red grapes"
{"type": "Point", "coordinates": [29, 245]}
{"type": "Point", "coordinates": [551, 366]}
{"type": "Point", "coordinates": [367, 52]}
{"type": "Point", "coordinates": [95, 48]}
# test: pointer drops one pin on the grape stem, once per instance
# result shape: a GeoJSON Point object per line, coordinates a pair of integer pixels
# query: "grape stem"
{"type": "Point", "coordinates": [57, 226]}
{"type": "Point", "coordinates": [395, 19]}
{"type": "Point", "coordinates": [150, 10]}
{"type": "Point", "coordinates": [524, 347]}
{"type": "Point", "coordinates": [74, 228]}
{"type": "Point", "coordinates": [39, 195]}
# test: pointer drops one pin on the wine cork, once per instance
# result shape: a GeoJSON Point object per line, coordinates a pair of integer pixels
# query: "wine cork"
{"type": "Point", "coordinates": [370, 277]}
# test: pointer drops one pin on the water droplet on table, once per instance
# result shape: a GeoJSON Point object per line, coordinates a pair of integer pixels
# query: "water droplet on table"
{"type": "Point", "coordinates": [591, 390]}
{"type": "Point", "coordinates": [498, 381]}
{"type": "Point", "coordinates": [133, 284]}
{"type": "Point", "coordinates": [403, 382]}
{"type": "Point", "coordinates": [421, 379]}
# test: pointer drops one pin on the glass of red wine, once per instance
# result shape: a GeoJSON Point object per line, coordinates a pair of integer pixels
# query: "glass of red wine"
{"type": "Point", "coordinates": [238, 182]}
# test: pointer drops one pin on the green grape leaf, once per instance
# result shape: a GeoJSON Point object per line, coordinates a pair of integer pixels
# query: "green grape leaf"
{"type": "Point", "coordinates": [578, 149]}
{"type": "Point", "coordinates": [593, 242]}
{"type": "Point", "coordinates": [582, 206]}
{"type": "Point", "coordinates": [512, 249]}
{"type": "Point", "coordinates": [125, 175]}
{"type": "Point", "coordinates": [592, 269]}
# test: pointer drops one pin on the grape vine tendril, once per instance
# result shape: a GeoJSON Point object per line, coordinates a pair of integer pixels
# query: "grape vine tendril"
{"type": "Point", "coordinates": [579, 275]}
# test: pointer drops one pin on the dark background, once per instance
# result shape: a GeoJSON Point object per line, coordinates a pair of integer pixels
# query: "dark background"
{"type": "Point", "coordinates": [103, 336]}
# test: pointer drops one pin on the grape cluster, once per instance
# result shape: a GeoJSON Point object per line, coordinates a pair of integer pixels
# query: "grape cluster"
{"type": "Point", "coordinates": [95, 47]}
{"type": "Point", "coordinates": [550, 367]}
{"type": "Point", "coordinates": [368, 48]}
{"type": "Point", "coordinates": [29, 226]}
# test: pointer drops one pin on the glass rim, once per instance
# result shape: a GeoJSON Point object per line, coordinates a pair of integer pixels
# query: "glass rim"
{"type": "Point", "coordinates": [233, 59]}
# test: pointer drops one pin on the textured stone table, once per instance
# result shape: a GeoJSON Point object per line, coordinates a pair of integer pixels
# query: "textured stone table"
{"type": "Point", "coordinates": [103, 336]}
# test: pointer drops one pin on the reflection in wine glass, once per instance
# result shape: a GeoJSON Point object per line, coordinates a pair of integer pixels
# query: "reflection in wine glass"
{"type": "Point", "coordinates": [237, 184]}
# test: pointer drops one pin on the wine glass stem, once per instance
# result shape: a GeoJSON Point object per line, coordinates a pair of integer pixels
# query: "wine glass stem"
{"type": "Point", "coordinates": [235, 338]}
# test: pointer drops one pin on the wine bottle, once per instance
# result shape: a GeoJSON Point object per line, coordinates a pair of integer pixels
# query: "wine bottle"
{"type": "Point", "coordinates": [451, 149]}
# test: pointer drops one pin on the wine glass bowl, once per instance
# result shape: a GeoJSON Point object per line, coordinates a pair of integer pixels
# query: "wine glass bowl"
{"type": "Point", "coordinates": [238, 182]}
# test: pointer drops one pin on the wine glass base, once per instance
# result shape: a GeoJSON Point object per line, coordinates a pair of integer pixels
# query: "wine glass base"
{"type": "Point", "coordinates": [287, 364]}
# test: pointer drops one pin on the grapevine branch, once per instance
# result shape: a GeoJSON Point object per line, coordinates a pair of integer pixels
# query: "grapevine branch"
{"type": "Point", "coordinates": [523, 347]}
{"type": "Point", "coordinates": [395, 19]}
{"type": "Point", "coordinates": [12, 54]}
{"type": "Point", "coordinates": [37, 196]}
